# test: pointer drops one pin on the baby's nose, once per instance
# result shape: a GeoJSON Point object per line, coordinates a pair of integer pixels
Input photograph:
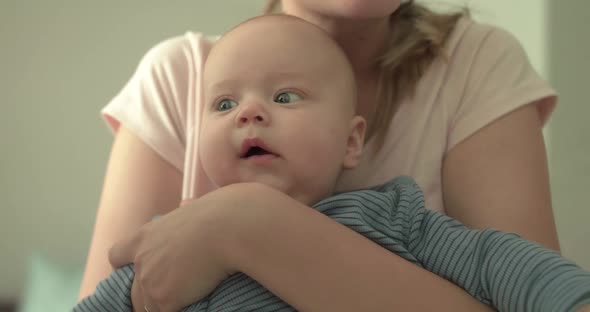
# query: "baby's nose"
{"type": "Point", "coordinates": [253, 118]}
{"type": "Point", "coordinates": [252, 113]}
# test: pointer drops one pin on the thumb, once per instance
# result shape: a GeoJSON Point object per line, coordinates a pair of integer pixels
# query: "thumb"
{"type": "Point", "coordinates": [123, 252]}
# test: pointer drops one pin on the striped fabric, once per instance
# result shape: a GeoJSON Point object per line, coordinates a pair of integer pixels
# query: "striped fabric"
{"type": "Point", "coordinates": [499, 269]}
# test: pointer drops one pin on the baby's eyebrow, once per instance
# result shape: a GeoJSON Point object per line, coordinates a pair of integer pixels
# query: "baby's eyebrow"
{"type": "Point", "coordinates": [285, 75]}
{"type": "Point", "coordinates": [223, 84]}
{"type": "Point", "coordinates": [292, 77]}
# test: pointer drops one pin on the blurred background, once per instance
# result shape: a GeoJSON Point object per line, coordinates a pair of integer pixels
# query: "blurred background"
{"type": "Point", "coordinates": [62, 61]}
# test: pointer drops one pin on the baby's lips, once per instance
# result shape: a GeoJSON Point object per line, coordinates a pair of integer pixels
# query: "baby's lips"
{"type": "Point", "coordinates": [254, 142]}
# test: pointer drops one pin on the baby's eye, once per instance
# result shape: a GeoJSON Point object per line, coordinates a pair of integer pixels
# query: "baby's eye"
{"type": "Point", "coordinates": [287, 97]}
{"type": "Point", "coordinates": [226, 104]}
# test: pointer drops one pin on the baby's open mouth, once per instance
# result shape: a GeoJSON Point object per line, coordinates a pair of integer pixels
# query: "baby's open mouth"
{"type": "Point", "coordinates": [256, 151]}
{"type": "Point", "coordinates": [256, 148]}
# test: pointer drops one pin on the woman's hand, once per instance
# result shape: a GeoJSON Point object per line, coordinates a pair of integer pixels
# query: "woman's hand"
{"type": "Point", "coordinates": [181, 257]}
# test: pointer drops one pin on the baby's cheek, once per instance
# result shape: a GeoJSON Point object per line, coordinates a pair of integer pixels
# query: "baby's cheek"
{"type": "Point", "coordinates": [206, 150]}
{"type": "Point", "coordinates": [324, 153]}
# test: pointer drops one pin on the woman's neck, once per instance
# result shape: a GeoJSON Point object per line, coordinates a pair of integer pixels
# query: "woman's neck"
{"type": "Point", "coordinates": [361, 40]}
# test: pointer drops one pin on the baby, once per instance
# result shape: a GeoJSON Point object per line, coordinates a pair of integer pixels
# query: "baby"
{"type": "Point", "coordinates": [279, 109]}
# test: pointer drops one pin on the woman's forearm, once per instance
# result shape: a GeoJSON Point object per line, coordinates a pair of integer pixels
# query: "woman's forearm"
{"type": "Point", "coordinates": [131, 196]}
{"type": "Point", "coordinates": [317, 264]}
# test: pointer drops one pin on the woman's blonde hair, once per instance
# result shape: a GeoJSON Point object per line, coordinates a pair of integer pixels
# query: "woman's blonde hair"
{"type": "Point", "coordinates": [417, 38]}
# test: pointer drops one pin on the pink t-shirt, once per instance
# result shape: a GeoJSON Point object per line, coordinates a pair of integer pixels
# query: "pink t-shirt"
{"type": "Point", "coordinates": [486, 75]}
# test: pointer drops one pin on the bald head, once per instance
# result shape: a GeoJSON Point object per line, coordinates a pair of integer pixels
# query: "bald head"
{"type": "Point", "coordinates": [292, 28]}
{"type": "Point", "coordinates": [281, 44]}
{"type": "Point", "coordinates": [297, 30]}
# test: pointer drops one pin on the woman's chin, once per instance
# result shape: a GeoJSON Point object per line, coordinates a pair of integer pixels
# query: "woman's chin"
{"type": "Point", "coordinates": [366, 9]}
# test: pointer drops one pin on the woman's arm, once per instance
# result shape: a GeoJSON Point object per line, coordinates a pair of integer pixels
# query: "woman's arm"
{"type": "Point", "coordinates": [499, 178]}
{"type": "Point", "coordinates": [138, 185]}
{"type": "Point", "coordinates": [316, 264]}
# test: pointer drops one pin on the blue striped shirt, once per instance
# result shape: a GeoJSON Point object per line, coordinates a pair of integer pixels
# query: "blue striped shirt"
{"type": "Point", "coordinates": [497, 268]}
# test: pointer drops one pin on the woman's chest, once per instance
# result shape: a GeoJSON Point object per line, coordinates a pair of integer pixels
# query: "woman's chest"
{"type": "Point", "coordinates": [414, 145]}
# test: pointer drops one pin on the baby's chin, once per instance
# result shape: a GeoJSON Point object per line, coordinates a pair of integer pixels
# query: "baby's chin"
{"type": "Point", "coordinates": [301, 195]}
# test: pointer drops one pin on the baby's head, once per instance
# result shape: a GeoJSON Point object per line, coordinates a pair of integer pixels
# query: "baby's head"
{"type": "Point", "coordinates": [279, 108]}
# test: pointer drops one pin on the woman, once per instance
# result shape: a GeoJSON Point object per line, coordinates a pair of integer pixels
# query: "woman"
{"type": "Point", "coordinates": [453, 103]}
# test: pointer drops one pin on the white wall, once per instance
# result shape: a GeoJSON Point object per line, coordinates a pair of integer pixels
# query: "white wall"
{"type": "Point", "coordinates": [61, 61]}
{"type": "Point", "coordinates": [569, 67]}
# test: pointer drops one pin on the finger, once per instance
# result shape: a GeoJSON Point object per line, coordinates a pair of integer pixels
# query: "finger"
{"type": "Point", "coordinates": [148, 306]}
{"type": "Point", "coordinates": [140, 300]}
{"type": "Point", "coordinates": [136, 297]}
{"type": "Point", "coordinates": [123, 252]}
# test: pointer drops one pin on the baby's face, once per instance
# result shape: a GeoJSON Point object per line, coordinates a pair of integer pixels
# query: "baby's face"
{"type": "Point", "coordinates": [279, 107]}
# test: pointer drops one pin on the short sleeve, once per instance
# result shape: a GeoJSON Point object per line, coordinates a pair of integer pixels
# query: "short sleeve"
{"type": "Point", "coordinates": [499, 80]}
{"type": "Point", "coordinates": [153, 103]}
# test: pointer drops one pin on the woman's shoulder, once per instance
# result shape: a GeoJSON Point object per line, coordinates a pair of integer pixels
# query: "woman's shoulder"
{"type": "Point", "coordinates": [155, 103]}
{"type": "Point", "coordinates": [179, 49]}
{"type": "Point", "coordinates": [487, 74]}
{"type": "Point", "coordinates": [471, 39]}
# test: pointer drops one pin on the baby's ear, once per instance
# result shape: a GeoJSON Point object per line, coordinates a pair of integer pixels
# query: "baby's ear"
{"type": "Point", "coordinates": [355, 143]}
